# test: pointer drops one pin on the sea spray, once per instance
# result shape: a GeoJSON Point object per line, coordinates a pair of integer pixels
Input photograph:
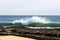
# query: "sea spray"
{"type": "Point", "coordinates": [26, 21]}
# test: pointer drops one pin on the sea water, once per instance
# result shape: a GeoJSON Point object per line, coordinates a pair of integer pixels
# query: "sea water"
{"type": "Point", "coordinates": [26, 19]}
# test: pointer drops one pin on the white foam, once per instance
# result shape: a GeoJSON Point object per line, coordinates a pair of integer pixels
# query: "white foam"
{"type": "Point", "coordinates": [30, 27]}
{"type": "Point", "coordinates": [26, 21]}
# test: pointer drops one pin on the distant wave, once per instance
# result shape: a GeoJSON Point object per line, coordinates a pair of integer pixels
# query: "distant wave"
{"type": "Point", "coordinates": [26, 21]}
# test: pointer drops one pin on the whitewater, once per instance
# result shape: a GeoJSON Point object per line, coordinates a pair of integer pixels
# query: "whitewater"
{"type": "Point", "coordinates": [26, 19]}
{"type": "Point", "coordinates": [37, 19]}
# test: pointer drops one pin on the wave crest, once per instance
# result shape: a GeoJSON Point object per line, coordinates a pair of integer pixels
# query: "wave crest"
{"type": "Point", "coordinates": [26, 21]}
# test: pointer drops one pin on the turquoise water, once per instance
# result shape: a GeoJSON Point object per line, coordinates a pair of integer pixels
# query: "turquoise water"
{"type": "Point", "coordinates": [26, 20]}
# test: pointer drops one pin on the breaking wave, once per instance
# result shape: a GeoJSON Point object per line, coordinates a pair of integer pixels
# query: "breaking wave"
{"type": "Point", "coordinates": [26, 21]}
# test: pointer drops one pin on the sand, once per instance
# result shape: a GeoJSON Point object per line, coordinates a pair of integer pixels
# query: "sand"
{"type": "Point", "coordinates": [14, 38]}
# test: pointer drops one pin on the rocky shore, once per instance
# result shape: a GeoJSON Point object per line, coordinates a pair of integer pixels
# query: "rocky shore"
{"type": "Point", "coordinates": [39, 34]}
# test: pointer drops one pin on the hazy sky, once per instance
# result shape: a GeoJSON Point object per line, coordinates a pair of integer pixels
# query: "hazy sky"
{"type": "Point", "coordinates": [29, 7]}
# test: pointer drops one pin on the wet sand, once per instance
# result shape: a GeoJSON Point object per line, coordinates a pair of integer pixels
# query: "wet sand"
{"type": "Point", "coordinates": [14, 38]}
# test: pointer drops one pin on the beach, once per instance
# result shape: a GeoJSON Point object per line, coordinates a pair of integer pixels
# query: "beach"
{"type": "Point", "coordinates": [14, 38]}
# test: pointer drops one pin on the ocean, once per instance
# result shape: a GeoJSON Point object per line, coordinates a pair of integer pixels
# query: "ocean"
{"type": "Point", "coordinates": [11, 18]}
{"type": "Point", "coordinates": [26, 19]}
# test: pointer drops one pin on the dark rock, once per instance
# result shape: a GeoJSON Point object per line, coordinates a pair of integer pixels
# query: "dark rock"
{"type": "Point", "coordinates": [45, 34]}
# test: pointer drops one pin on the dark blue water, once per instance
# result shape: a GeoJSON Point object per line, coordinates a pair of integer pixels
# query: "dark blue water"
{"type": "Point", "coordinates": [10, 18]}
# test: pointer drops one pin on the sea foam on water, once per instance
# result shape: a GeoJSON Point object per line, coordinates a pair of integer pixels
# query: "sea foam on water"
{"type": "Point", "coordinates": [26, 21]}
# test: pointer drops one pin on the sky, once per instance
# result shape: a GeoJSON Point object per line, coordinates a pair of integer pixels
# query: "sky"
{"type": "Point", "coordinates": [29, 7]}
